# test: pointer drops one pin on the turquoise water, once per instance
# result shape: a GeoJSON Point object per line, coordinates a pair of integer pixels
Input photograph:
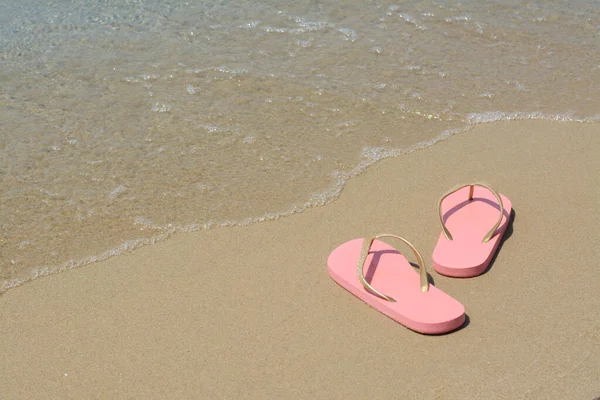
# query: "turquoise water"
{"type": "Point", "coordinates": [124, 122]}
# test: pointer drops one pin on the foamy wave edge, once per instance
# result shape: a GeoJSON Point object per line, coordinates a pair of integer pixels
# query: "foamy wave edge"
{"type": "Point", "coordinates": [370, 156]}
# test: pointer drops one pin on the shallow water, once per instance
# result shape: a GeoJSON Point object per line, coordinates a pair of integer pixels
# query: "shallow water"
{"type": "Point", "coordinates": [127, 121]}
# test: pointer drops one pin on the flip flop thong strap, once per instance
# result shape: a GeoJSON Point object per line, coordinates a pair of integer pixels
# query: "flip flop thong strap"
{"type": "Point", "coordinates": [368, 242]}
{"type": "Point", "coordinates": [488, 235]}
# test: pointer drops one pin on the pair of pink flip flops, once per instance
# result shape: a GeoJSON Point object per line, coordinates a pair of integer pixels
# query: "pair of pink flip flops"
{"type": "Point", "coordinates": [473, 218]}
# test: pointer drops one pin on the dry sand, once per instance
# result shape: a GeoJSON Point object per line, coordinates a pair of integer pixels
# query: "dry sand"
{"type": "Point", "coordinates": [251, 313]}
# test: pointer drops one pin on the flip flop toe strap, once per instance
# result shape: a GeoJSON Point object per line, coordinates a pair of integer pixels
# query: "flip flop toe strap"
{"type": "Point", "coordinates": [367, 243]}
{"type": "Point", "coordinates": [492, 231]}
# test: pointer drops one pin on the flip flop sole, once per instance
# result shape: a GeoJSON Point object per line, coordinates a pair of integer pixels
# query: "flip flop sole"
{"type": "Point", "coordinates": [466, 255]}
{"type": "Point", "coordinates": [431, 312]}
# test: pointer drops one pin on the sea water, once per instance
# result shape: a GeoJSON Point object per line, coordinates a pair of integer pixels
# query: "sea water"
{"type": "Point", "coordinates": [124, 122]}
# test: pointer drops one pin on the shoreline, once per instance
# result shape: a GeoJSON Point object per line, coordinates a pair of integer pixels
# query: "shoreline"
{"type": "Point", "coordinates": [211, 312]}
{"type": "Point", "coordinates": [331, 194]}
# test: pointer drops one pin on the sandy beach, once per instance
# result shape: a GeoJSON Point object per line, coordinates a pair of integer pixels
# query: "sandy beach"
{"type": "Point", "coordinates": [251, 313]}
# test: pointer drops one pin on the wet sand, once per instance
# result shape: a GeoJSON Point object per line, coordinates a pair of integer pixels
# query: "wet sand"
{"type": "Point", "coordinates": [250, 312]}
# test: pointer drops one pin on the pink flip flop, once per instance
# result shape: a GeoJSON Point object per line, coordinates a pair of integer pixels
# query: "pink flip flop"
{"type": "Point", "coordinates": [409, 298]}
{"type": "Point", "coordinates": [467, 244]}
